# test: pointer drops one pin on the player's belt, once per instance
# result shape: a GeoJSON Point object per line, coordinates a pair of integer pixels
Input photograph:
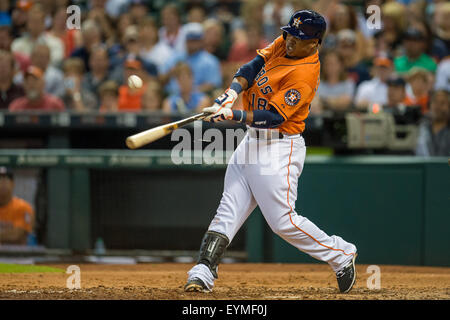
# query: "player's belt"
{"type": "Point", "coordinates": [268, 134]}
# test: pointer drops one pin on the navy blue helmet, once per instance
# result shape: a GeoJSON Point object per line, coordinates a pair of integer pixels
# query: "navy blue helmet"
{"type": "Point", "coordinates": [306, 24]}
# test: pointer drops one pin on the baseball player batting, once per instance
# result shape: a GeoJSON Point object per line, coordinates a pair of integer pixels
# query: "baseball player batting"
{"type": "Point", "coordinates": [278, 86]}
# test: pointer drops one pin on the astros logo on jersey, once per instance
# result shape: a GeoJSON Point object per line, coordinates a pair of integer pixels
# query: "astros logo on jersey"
{"type": "Point", "coordinates": [297, 22]}
{"type": "Point", "coordinates": [292, 97]}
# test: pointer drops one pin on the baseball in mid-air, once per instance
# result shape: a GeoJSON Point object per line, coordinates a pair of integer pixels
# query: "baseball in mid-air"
{"type": "Point", "coordinates": [134, 82]}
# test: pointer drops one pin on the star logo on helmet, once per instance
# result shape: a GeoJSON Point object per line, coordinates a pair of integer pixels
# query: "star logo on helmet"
{"type": "Point", "coordinates": [297, 22]}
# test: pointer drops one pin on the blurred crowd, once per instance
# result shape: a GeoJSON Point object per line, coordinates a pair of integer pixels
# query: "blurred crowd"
{"type": "Point", "coordinates": [187, 52]}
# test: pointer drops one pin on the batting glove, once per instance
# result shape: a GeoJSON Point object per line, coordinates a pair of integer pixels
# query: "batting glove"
{"type": "Point", "coordinates": [226, 100]}
{"type": "Point", "coordinates": [218, 113]}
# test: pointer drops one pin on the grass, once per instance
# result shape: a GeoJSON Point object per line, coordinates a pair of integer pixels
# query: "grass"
{"type": "Point", "coordinates": [19, 268]}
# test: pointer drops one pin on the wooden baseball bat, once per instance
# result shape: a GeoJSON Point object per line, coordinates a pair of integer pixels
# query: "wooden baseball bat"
{"type": "Point", "coordinates": [148, 136]}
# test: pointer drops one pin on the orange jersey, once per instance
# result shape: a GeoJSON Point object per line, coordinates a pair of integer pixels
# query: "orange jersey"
{"type": "Point", "coordinates": [19, 213]}
{"type": "Point", "coordinates": [288, 85]}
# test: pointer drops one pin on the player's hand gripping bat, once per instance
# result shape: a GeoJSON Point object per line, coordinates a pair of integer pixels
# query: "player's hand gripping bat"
{"type": "Point", "coordinates": [148, 136]}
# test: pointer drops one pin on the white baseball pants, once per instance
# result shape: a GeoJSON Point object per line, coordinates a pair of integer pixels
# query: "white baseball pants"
{"type": "Point", "coordinates": [270, 181]}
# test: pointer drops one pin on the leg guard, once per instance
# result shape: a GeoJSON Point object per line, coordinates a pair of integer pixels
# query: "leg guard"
{"type": "Point", "coordinates": [212, 250]}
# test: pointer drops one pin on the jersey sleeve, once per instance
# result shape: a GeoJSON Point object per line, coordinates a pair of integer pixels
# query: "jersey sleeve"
{"type": "Point", "coordinates": [292, 97]}
{"type": "Point", "coordinates": [272, 49]}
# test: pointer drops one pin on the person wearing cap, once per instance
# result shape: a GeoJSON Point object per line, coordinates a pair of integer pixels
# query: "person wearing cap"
{"type": "Point", "coordinates": [16, 215]}
{"type": "Point", "coordinates": [434, 130]}
{"type": "Point", "coordinates": [374, 91]}
{"type": "Point", "coordinates": [414, 42]}
{"type": "Point", "coordinates": [205, 67]}
{"type": "Point", "coordinates": [396, 95]}
{"type": "Point", "coordinates": [35, 97]}
{"type": "Point", "coordinates": [9, 91]}
{"type": "Point", "coordinates": [36, 33]}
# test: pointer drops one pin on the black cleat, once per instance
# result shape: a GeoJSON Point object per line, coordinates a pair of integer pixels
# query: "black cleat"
{"type": "Point", "coordinates": [347, 276]}
{"type": "Point", "coordinates": [195, 285]}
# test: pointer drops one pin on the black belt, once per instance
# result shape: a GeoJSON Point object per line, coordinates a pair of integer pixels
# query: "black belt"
{"type": "Point", "coordinates": [266, 134]}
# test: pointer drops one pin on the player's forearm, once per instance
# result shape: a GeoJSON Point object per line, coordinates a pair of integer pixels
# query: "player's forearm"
{"type": "Point", "coordinates": [263, 119]}
{"type": "Point", "coordinates": [242, 82]}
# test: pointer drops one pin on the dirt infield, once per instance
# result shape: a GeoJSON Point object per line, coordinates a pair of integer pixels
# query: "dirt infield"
{"type": "Point", "coordinates": [237, 281]}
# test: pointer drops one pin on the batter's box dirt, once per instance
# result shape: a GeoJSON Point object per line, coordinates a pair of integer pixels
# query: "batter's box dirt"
{"type": "Point", "coordinates": [236, 281]}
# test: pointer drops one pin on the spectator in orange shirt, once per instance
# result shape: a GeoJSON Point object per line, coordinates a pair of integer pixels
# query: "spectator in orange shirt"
{"type": "Point", "coordinates": [130, 98]}
{"type": "Point", "coordinates": [16, 215]}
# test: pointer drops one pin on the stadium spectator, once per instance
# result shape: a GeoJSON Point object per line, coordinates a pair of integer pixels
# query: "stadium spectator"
{"type": "Point", "coordinates": [217, 41]}
{"type": "Point", "coordinates": [9, 91]}
{"type": "Point", "coordinates": [434, 131]}
{"type": "Point", "coordinates": [6, 39]}
{"type": "Point", "coordinates": [374, 91]}
{"type": "Point", "coordinates": [130, 99]}
{"type": "Point", "coordinates": [16, 215]}
{"type": "Point", "coordinates": [35, 97]}
{"type": "Point", "coordinates": [98, 74]}
{"type": "Point", "coordinates": [99, 16]}
{"type": "Point", "coordinates": [275, 15]}
{"type": "Point", "coordinates": [443, 75]}
{"type": "Point", "coordinates": [189, 99]}
{"type": "Point", "coordinates": [108, 92]}
{"type": "Point", "coordinates": [5, 16]}
{"type": "Point", "coordinates": [196, 13]}
{"type": "Point", "coordinates": [75, 98]}
{"type": "Point", "coordinates": [71, 38]}
{"type": "Point", "coordinates": [130, 47]}
{"type": "Point", "coordinates": [419, 86]}
{"type": "Point", "coordinates": [54, 77]}
{"type": "Point", "coordinates": [138, 10]}
{"type": "Point", "coordinates": [336, 90]}
{"type": "Point", "coordinates": [394, 22]}
{"type": "Point", "coordinates": [152, 98]}
{"type": "Point", "coordinates": [343, 17]}
{"type": "Point", "coordinates": [151, 49]}
{"type": "Point", "coordinates": [396, 95]}
{"type": "Point", "coordinates": [251, 12]}
{"type": "Point", "coordinates": [205, 66]}
{"type": "Point", "coordinates": [346, 48]}
{"type": "Point", "coordinates": [91, 36]}
{"type": "Point", "coordinates": [245, 51]}
{"type": "Point", "coordinates": [19, 17]}
{"type": "Point", "coordinates": [441, 23]}
{"type": "Point", "coordinates": [414, 42]}
{"type": "Point", "coordinates": [35, 34]}
{"type": "Point", "coordinates": [172, 33]}
{"type": "Point", "coordinates": [116, 8]}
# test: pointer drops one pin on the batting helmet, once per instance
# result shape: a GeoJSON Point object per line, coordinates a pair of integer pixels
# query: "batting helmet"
{"type": "Point", "coordinates": [306, 24]}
